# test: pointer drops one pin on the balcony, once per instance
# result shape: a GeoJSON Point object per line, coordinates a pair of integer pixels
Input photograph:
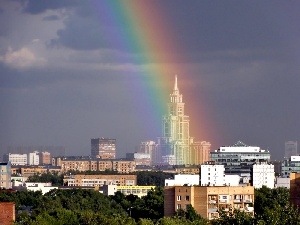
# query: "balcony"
{"type": "Point", "coordinates": [237, 200]}
{"type": "Point", "coordinates": [249, 209]}
{"type": "Point", "coordinates": [248, 201]}
{"type": "Point", "coordinates": [212, 201]}
{"type": "Point", "coordinates": [223, 201]}
{"type": "Point", "coordinates": [212, 210]}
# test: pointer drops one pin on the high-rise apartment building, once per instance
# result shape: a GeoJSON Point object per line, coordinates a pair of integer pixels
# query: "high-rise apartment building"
{"type": "Point", "coordinates": [104, 148]}
{"type": "Point", "coordinates": [290, 149]}
{"type": "Point", "coordinates": [33, 158]}
{"type": "Point", "coordinates": [175, 142]}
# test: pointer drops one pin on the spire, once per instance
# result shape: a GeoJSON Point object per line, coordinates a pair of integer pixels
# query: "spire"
{"type": "Point", "coordinates": [175, 85]}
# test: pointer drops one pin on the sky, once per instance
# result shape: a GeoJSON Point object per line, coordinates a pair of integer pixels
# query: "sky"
{"type": "Point", "coordinates": [74, 70]}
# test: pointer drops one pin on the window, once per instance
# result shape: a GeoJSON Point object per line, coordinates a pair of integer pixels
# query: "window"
{"type": "Point", "coordinates": [187, 198]}
{"type": "Point", "coordinates": [179, 206]}
{"type": "Point", "coordinates": [178, 197]}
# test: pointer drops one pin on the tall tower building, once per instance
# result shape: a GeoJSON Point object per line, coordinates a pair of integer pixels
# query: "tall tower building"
{"type": "Point", "coordinates": [104, 148]}
{"type": "Point", "coordinates": [290, 149]}
{"type": "Point", "coordinates": [175, 142]}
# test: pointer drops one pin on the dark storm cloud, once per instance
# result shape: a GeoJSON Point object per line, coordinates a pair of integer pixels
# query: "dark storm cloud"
{"type": "Point", "coordinates": [36, 7]}
{"type": "Point", "coordinates": [51, 18]}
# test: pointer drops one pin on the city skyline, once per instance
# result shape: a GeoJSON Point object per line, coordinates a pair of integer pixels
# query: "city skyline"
{"type": "Point", "coordinates": [74, 70]}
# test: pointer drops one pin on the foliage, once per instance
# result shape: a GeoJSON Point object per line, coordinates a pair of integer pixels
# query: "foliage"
{"type": "Point", "coordinates": [54, 178]}
{"type": "Point", "coordinates": [155, 178]}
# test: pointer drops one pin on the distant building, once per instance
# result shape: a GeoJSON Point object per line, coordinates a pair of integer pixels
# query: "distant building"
{"type": "Point", "coordinates": [33, 186]}
{"type": "Point", "coordinates": [149, 147]}
{"type": "Point", "coordinates": [93, 164]}
{"type": "Point", "coordinates": [99, 180]}
{"type": "Point", "coordinates": [239, 159]}
{"type": "Point", "coordinates": [176, 146]}
{"type": "Point", "coordinates": [207, 200]}
{"type": "Point", "coordinates": [27, 170]}
{"type": "Point", "coordinates": [263, 175]}
{"type": "Point", "coordinates": [290, 149]}
{"type": "Point", "coordinates": [15, 159]}
{"type": "Point", "coordinates": [33, 158]}
{"type": "Point", "coordinates": [5, 175]}
{"type": "Point", "coordinates": [104, 148]}
{"type": "Point", "coordinates": [140, 159]}
{"type": "Point", "coordinates": [45, 158]}
{"type": "Point", "coordinates": [290, 165]}
{"type": "Point", "coordinates": [127, 190]}
{"type": "Point", "coordinates": [200, 152]}
{"type": "Point", "coordinates": [7, 213]}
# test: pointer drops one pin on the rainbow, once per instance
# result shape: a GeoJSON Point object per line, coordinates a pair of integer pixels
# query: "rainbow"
{"type": "Point", "coordinates": [148, 36]}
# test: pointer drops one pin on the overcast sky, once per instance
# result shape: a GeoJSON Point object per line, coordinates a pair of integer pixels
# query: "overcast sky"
{"type": "Point", "coordinates": [65, 78]}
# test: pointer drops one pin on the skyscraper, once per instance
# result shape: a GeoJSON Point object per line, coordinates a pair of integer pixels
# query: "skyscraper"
{"type": "Point", "coordinates": [104, 148]}
{"type": "Point", "coordinates": [175, 142]}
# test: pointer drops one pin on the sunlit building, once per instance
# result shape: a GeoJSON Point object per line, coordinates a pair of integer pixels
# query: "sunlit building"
{"type": "Point", "coordinates": [104, 148]}
{"type": "Point", "coordinates": [176, 141]}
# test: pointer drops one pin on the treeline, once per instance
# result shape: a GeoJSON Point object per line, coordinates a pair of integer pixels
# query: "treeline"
{"type": "Point", "coordinates": [78, 206]}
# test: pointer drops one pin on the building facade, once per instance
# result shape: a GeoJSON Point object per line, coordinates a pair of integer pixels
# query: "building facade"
{"type": "Point", "coordinates": [263, 175]}
{"type": "Point", "coordinates": [93, 164]}
{"type": "Point", "coordinates": [103, 148]}
{"type": "Point", "coordinates": [15, 159]}
{"type": "Point", "coordinates": [175, 141]}
{"type": "Point", "coordinates": [140, 158]}
{"type": "Point", "coordinates": [33, 158]}
{"type": "Point", "coordinates": [294, 189]}
{"type": "Point", "coordinates": [7, 213]}
{"type": "Point", "coordinates": [149, 147]}
{"type": "Point", "coordinates": [99, 180]}
{"type": "Point", "coordinates": [239, 158]}
{"type": "Point", "coordinates": [207, 200]}
{"type": "Point", "coordinates": [5, 175]}
{"type": "Point", "coordinates": [290, 165]}
{"type": "Point", "coordinates": [290, 149]}
{"type": "Point", "coordinates": [127, 190]}
{"type": "Point", "coordinates": [45, 158]}
{"type": "Point", "coordinates": [212, 174]}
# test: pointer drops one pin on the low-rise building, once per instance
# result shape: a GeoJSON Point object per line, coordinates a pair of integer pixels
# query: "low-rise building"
{"type": "Point", "coordinates": [93, 164]}
{"type": "Point", "coordinates": [15, 159]}
{"type": "Point", "coordinates": [33, 186]}
{"type": "Point", "coordinates": [127, 190]}
{"type": "Point", "coordinates": [99, 180]}
{"type": "Point", "coordinates": [140, 159]}
{"type": "Point", "coordinates": [183, 179]}
{"type": "Point", "coordinates": [207, 200]}
{"type": "Point", "coordinates": [27, 171]}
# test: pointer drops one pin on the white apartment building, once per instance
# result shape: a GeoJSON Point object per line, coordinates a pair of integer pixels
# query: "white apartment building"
{"type": "Point", "coordinates": [263, 175]}
{"type": "Point", "coordinates": [33, 158]}
{"type": "Point", "coordinates": [212, 174]}
{"type": "Point", "coordinates": [15, 159]}
{"type": "Point", "coordinates": [183, 179]}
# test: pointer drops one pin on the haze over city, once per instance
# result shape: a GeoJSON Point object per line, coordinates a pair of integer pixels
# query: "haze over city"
{"type": "Point", "coordinates": [76, 70]}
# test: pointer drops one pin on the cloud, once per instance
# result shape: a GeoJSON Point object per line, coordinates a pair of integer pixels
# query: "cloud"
{"type": "Point", "coordinates": [23, 58]}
